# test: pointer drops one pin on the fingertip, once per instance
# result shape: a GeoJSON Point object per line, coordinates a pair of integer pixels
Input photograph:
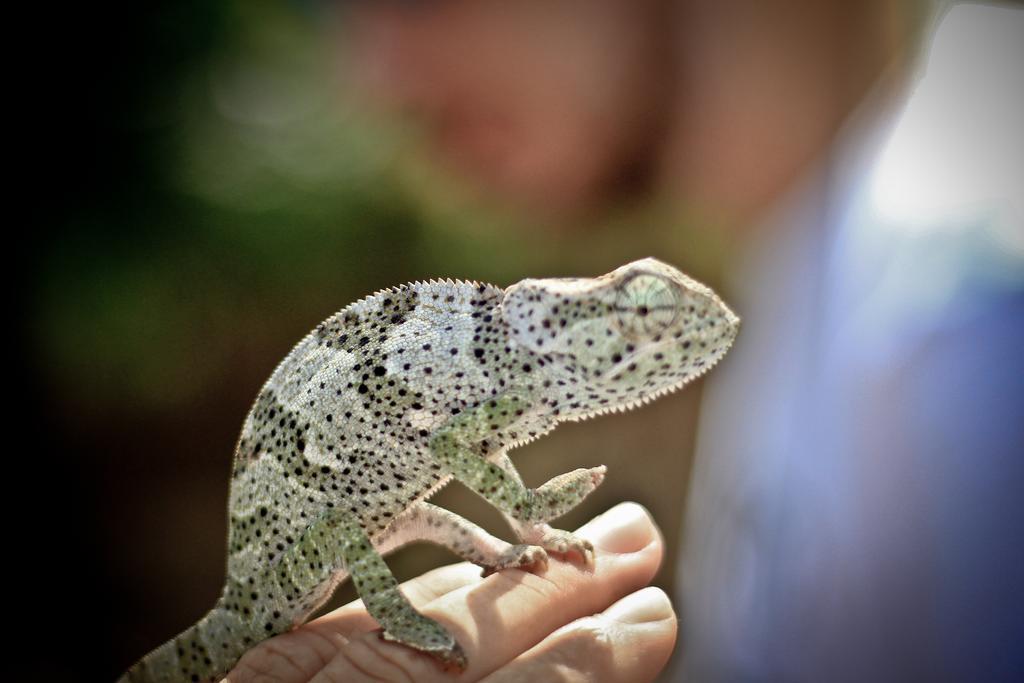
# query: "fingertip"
{"type": "Point", "coordinates": [645, 606]}
{"type": "Point", "coordinates": [626, 528]}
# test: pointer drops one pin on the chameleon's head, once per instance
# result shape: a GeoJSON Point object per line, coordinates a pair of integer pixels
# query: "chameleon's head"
{"type": "Point", "coordinates": [640, 330]}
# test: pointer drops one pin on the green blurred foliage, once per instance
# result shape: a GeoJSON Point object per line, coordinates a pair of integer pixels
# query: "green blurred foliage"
{"type": "Point", "coordinates": [259, 196]}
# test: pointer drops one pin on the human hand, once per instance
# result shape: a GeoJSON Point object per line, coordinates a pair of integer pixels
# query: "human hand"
{"type": "Point", "coordinates": [565, 623]}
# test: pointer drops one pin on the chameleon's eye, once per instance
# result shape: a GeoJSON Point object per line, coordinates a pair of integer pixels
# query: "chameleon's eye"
{"type": "Point", "coordinates": [646, 306]}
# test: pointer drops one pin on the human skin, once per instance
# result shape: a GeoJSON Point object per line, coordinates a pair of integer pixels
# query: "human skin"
{"type": "Point", "coordinates": [566, 622]}
{"type": "Point", "coordinates": [719, 107]}
{"type": "Point", "coordinates": [538, 102]}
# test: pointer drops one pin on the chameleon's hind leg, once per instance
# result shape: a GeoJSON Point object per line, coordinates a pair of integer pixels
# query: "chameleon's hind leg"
{"type": "Point", "coordinates": [379, 591]}
{"type": "Point", "coordinates": [308, 570]}
{"type": "Point", "coordinates": [426, 522]}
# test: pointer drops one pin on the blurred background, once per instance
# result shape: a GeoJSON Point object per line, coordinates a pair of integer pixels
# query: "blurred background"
{"type": "Point", "coordinates": [224, 175]}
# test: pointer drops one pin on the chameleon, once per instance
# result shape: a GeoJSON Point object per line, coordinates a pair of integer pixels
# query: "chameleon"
{"type": "Point", "coordinates": [397, 394]}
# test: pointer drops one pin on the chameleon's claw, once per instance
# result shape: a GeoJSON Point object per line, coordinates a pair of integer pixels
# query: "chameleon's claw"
{"type": "Point", "coordinates": [432, 639]}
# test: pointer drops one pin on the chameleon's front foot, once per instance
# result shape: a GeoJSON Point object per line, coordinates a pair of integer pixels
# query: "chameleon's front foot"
{"type": "Point", "coordinates": [426, 635]}
{"type": "Point", "coordinates": [554, 540]}
{"type": "Point", "coordinates": [519, 557]}
{"type": "Point", "coordinates": [560, 494]}
{"type": "Point", "coordinates": [551, 500]}
{"type": "Point", "coordinates": [573, 486]}
{"type": "Point", "coordinates": [565, 543]}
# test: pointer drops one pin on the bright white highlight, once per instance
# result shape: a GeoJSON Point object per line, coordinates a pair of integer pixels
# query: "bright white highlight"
{"type": "Point", "coordinates": [957, 152]}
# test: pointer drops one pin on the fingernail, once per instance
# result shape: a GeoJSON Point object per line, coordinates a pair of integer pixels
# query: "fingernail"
{"type": "Point", "coordinates": [643, 607]}
{"type": "Point", "coordinates": [626, 528]}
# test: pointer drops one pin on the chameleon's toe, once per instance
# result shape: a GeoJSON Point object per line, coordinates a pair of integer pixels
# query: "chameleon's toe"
{"type": "Point", "coordinates": [564, 543]}
{"type": "Point", "coordinates": [518, 557]}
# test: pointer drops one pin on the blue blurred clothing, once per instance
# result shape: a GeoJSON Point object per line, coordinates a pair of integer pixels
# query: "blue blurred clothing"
{"type": "Point", "coordinates": [857, 502]}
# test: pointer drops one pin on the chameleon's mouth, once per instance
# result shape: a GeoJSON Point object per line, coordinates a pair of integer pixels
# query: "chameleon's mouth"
{"type": "Point", "coordinates": [731, 319]}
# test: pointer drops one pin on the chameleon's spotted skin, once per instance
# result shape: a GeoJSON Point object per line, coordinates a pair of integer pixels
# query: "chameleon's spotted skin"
{"type": "Point", "coordinates": [389, 399]}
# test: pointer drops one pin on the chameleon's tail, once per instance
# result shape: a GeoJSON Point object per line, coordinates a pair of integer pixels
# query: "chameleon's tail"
{"type": "Point", "coordinates": [205, 652]}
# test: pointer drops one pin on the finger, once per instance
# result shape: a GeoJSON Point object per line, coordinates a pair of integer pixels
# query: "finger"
{"type": "Point", "coordinates": [502, 616]}
{"type": "Point", "coordinates": [630, 641]}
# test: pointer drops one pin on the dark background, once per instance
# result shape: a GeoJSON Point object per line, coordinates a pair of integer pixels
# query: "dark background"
{"type": "Point", "coordinates": [200, 198]}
